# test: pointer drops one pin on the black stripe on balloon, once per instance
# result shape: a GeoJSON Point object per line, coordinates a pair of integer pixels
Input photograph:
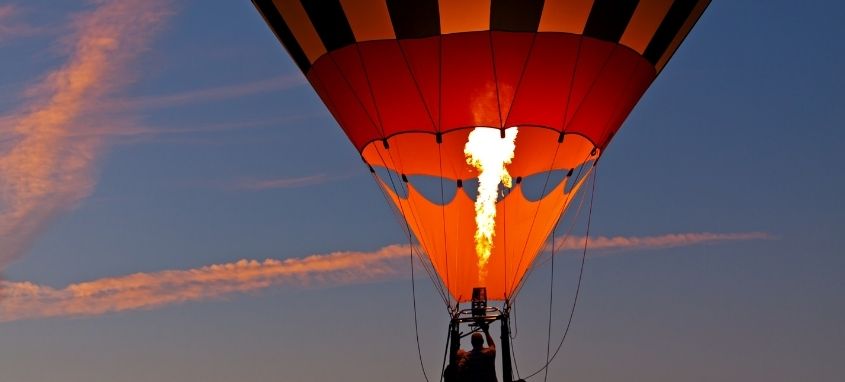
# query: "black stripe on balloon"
{"type": "Point", "coordinates": [283, 33]}
{"type": "Point", "coordinates": [609, 18]}
{"type": "Point", "coordinates": [414, 19]}
{"type": "Point", "coordinates": [330, 22]}
{"type": "Point", "coordinates": [515, 15]}
{"type": "Point", "coordinates": [668, 29]}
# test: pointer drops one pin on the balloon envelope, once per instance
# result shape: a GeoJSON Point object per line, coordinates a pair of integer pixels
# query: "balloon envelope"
{"type": "Point", "coordinates": [408, 80]}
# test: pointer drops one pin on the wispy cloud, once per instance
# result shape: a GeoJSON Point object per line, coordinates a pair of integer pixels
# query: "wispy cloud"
{"type": "Point", "coordinates": [26, 300]}
{"type": "Point", "coordinates": [268, 184]}
{"type": "Point", "coordinates": [205, 95]}
{"type": "Point", "coordinates": [12, 24]}
{"type": "Point", "coordinates": [122, 106]}
{"type": "Point", "coordinates": [290, 182]}
{"type": "Point", "coordinates": [133, 129]}
{"type": "Point", "coordinates": [46, 169]}
{"type": "Point", "coordinates": [606, 244]}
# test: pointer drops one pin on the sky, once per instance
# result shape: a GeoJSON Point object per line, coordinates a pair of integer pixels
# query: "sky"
{"type": "Point", "coordinates": [176, 204]}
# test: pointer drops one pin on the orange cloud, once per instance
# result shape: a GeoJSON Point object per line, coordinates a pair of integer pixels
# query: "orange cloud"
{"type": "Point", "coordinates": [25, 300]}
{"type": "Point", "coordinates": [293, 182]}
{"type": "Point", "coordinates": [206, 95]}
{"type": "Point", "coordinates": [268, 184]}
{"type": "Point", "coordinates": [654, 242]}
{"type": "Point", "coordinates": [45, 166]}
{"type": "Point", "coordinates": [11, 24]}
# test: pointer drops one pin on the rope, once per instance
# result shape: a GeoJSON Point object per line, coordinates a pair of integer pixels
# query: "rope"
{"type": "Point", "coordinates": [578, 179]}
{"type": "Point", "coordinates": [416, 325]}
{"type": "Point", "coordinates": [380, 128]}
{"type": "Point", "coordinates": [551, 302]}
{"type": "Point", "coordinates": [399, 214]}
{"type": "Point", "coordinates": [580, 278]}
{"type": "Point", "coordinates": [445, 353]}
{"type": "Point", "coordinates": [513, 356]}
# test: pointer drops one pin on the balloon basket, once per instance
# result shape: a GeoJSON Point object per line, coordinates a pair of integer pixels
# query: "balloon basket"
{"type": "Point", "coordinates": [478, 316]}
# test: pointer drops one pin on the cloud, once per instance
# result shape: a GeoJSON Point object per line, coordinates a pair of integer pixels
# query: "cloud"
{"type": "Point", "coordinates": [292, 182]}
{"type": "Point", "coordinates": [11, 25]}
{"type": "Point", "coordinates": [269, 184]}
{"type": "Point", "coordinates": [45, 167]}
{"type": "Point", "coordinates": [26, 300]}
{"type": "Point", "coordinates": [133, 129]}
{"type": "Point", "coordinates": [605, 243]}
{"type": "Point", "coordinates": [120, 107]}
{"type": "Point", "coordinates": [205, 95]}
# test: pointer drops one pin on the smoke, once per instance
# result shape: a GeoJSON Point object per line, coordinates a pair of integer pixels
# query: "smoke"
{"type": "Point", "coordinates": [47, 162]}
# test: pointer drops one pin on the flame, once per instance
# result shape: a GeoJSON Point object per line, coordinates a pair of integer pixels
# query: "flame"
{"type": "Point", "coordinates": [489, 152]}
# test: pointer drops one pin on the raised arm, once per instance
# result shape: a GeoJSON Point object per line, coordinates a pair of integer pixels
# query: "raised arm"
{"type": "Point", "coordinates": [490, 343]}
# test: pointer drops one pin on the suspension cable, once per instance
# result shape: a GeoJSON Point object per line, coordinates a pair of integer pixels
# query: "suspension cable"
{"type": "Point", "coordinates": [445, 353]}
{"type": "Point", "coordinates": [580, 278]}
{"type": "Point", "coordinates": [551, 302]}
{"type": "Point", "coordinates": [416, 325]}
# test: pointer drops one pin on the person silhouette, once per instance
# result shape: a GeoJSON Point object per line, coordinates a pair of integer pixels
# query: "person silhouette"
{"type": "Point", "coordinates": [479, 364]}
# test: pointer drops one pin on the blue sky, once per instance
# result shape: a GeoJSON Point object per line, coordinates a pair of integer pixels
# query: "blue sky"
{"type": "Point", "coordinates": [211, 148]}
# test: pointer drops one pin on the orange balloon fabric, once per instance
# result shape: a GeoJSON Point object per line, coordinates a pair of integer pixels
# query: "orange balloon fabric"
{"type": "Point", "coordinates": [408, 80]}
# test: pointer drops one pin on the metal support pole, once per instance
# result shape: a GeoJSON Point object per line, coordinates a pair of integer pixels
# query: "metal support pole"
{"type": "Point", "coordinates": [507, 373]}
{"type": "Point", "coordinates": [454, 341]}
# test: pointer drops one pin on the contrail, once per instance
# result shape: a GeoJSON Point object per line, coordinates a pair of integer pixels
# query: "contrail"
{"type": "Point", "coordinates": [27, 300]}
{"type": "Point", "coordinates": [22, 300]}
{"type": "Point", "coordinates": [653, 242]}
{"type": "Point", "coordinates": [46, 167]}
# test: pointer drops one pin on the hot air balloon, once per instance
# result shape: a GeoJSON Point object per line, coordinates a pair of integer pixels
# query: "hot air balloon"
{"type": "Point", "coordinates": [481, 119]}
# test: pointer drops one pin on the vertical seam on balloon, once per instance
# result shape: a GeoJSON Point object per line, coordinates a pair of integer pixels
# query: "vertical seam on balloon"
{"type": "Point", "coordinates": [379, 130]}
{"type": "Point", "coordinates": [536, 212]}
{"type": "Point", "coordinates": [416, 84]}
{"type": "Point", "coordinates": [579, 180]}
{"type": "Point", "coordinates": [439, 129]}
{"type": "Point", "coordinates": [504, 120]}
{"type": "Point", "coordinates": [539, 204]}
{"type": "Point", "coordinates": [411, 204]}
{"type": "Point", "coordinates": [554, 158]}
{"type": "Point", "coordinates": [591, 88]}
{"type": "Point", "coordinates": [495, 79]}
{"type": "Point", "coordinates": [628, 85]}
{"type": "Point", "coordinates": [565, 236]}
{"type": "Point", "coordinates": [505, 245]}
{"type": "Point", "coordinates": [405, 222]}
{"type": "Point", "coordinates": [571, 84]}
{"type": "Point", "coordinates": [440, 157]}
{"type": "Point", "coordinates": [521, 75]}
{"type": "Point", "coordinates": [501, 126]}
{"type": "Point", "coordinates": [392, 159]}
{"type": "Point", "coordinates": [369, 89]}
{"type": "Point", "coordinates": [443, 212]}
